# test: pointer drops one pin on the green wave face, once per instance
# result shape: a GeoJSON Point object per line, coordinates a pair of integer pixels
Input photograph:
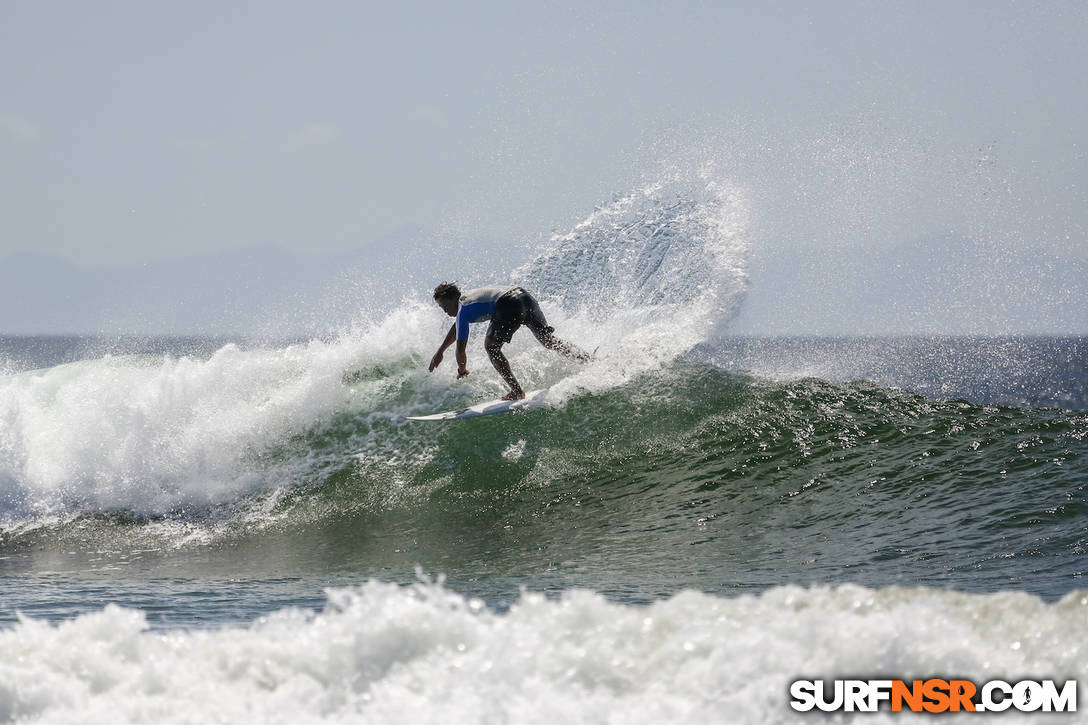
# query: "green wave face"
{"type": "Point", "coordinates": [688, 476]}
{"type": "Point", "coordinates": [692, 476]}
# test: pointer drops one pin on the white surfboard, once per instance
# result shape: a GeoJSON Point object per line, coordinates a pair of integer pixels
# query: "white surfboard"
{"type": "Point", "coordinates": [491, 406]}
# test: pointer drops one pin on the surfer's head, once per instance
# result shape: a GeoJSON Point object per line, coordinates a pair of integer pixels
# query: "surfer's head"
{"type": "Point", "coordinates": [448, 297]}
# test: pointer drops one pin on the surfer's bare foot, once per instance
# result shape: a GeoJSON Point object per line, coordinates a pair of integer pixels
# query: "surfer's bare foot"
{"type": "Point", "coordinates": [514, 395]}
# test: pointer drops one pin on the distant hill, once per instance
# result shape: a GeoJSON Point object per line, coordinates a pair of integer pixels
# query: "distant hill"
{"type": "Point", "coordinates": [40, 294]}
{"type": "Point", "coordinates": [257, 290]}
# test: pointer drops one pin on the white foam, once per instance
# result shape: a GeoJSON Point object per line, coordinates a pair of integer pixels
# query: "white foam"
{"type": "Point", "coordinates": [383, 653]}
{"type": "Point", "coordinates": [152, 435]}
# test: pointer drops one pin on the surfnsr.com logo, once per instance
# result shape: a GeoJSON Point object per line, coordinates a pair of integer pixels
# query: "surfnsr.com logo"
{"type": "Point", "coordinates": [933, 695]}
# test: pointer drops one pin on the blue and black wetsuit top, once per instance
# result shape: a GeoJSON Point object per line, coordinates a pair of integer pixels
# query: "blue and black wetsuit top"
{"type": "Point", "coordinates": [478, 305]}
{"type": "Point", "coordinates": [508, 308]}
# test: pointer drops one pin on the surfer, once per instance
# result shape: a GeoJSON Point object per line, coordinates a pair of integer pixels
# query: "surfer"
{"type": "Point", "coordinates": [508, 308]}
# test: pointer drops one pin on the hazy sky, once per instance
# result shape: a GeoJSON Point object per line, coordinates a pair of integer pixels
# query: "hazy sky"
{"type": "Point", "coordinates": [132, 132]}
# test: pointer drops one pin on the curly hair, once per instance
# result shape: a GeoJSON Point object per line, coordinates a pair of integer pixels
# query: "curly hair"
{"type": "Point", "coordinates": [447, 290]}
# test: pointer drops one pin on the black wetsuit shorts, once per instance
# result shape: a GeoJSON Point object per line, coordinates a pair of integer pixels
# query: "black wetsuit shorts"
{"type": "Point", "coordinates": [512, 310]}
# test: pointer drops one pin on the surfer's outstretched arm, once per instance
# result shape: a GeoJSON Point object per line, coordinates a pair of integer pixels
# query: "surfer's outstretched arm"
{"type": "Point", "coordinates": [462, 359]}
{"type": "Point", "coordinates": [437, 359]}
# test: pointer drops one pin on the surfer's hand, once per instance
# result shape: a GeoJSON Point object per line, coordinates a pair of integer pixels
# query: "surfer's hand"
{"type": "Point", "coordinates": [462, 372]}
{"type": "Point", "coordinates": [435, 361]}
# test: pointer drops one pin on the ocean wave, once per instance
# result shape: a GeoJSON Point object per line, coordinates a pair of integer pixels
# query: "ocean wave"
{"type": "Point", "coordinates": [166, 435]}
{"type": "Point", "coordinates": [757, 481]}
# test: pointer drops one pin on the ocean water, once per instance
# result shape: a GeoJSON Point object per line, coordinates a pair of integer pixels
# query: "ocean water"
{"type": "Point", "coordinates": [208, 530]}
